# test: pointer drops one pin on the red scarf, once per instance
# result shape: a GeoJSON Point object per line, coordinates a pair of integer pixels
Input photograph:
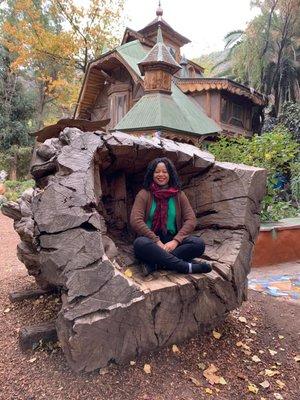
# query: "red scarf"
{"type": "Point", "coordinates": [161, 196]}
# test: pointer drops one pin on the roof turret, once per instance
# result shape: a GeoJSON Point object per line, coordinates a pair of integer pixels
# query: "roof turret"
{"type": "Point", "coordinates": [159, 57]}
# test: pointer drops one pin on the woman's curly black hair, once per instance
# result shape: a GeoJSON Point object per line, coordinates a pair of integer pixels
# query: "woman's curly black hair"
{"type": "Point", "coordinates": [174, 179]}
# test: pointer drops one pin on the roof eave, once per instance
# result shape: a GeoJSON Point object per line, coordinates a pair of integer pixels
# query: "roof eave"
{"type": "Point", "coordinates": [158, 64]}
{"type": "Point", "coordinates": [160, 127]}
{"type": "Point", "coordinates": [137, 36]}
{"type": "Point", "coordinates": [167, 27]}
{"type": "Point", "coordinates": [259, 96]}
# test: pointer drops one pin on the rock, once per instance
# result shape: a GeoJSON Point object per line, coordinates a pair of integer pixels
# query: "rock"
{"type": "Point", "coordinates": [76, 236]}
{"type": "Point", "coordinates": [12, 210]}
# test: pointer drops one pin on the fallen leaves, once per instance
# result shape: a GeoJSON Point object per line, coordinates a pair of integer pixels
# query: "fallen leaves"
{"type": "Point", "coordinates": [297, 358]}
{"type": "Point", "coordinates": [208, 391]}
{"type": "Point", "coordinates": [7, 310]}
{"type": "Point", "coordinates": [222, 381]}
{"type": "Point", "coordinates": [201, 366]}
{"type": "Point", "coordinates": [278, 396]}
{"type": "Point", "coordinates": [255, 359]}
{"type": "Point", "coordinates": [32, 360]}
{"type": "Point", "coordinates": [210, 375]}
{"type": "Point", "coordinates": [103, 371]}
{"type": "Point", "coordinates": [175, 349]}
{"type": "Point", "coordinates": [216, 334]}
{"type": "Point", "coordinates": [128, 273]}
{"type": "Point", "coordinates": [242, 319]}
{"type": "Point", "coordinates": [195, 381]}
{"type": "Point", "coordinates": [253, 388]}
{"type": "Point", "coordinates": [272, 352]}
{"type": "Point", "coordinates": [265, 384]}
{"type": "Point", "coordinates": [270, 372]}
{"type": "Point", "coordinates": [147, 368]}
{"type": "Point", "coordinates": [244, 347]}
{"type": "Point", "coordinates": [280, 383]}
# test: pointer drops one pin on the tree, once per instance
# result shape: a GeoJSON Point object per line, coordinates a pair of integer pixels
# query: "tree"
{"type": "Point", "coordinates": [17, 105]}
{"type": "Point", "coordinates": [55, 40]}
{"type": "Point", "coordinates": [266, 55]}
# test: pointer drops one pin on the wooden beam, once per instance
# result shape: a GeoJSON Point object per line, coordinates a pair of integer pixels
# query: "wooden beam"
{"type": "Point", "coordinates": [29, 336]}
{"type": "Point", "coordinates": [29, 294]}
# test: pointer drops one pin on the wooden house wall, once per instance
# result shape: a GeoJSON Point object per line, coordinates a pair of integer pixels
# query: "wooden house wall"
{"type": "Point", "coordinates": [100, 109]}
{"type": "Point", "coordinates": [122, 89]}
{"type": "Point", "coordinates": [212, 102]}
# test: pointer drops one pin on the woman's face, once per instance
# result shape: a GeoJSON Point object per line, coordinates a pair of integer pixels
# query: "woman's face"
{"type": "Point", "coordinates": [161, 175]}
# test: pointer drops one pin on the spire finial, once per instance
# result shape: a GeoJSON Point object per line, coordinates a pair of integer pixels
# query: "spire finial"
{"type": "Point", "coordinates": [159, 38]}
{"type": "Point", "coordinates": [159, 11]}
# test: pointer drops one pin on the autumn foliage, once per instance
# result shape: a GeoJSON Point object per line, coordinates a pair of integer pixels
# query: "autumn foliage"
{"type": "Point", "coordinates": [54, 40]}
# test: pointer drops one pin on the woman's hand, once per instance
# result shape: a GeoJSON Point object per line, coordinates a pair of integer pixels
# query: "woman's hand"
{"type": "Point", "coordinates": [160, 244]}
{"type": "Point", "coordinates": [170, 246]}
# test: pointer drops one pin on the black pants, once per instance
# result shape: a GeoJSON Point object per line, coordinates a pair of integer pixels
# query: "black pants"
{"type": "Point", "coordinates": [153, 255]}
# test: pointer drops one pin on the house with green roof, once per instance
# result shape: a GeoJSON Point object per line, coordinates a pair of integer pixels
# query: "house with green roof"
{"type": "Point", "coordinates": [145, 87]}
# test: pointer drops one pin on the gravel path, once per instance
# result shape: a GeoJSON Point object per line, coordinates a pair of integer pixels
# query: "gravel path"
{"type": "Point", "coordinates": [271, 324]}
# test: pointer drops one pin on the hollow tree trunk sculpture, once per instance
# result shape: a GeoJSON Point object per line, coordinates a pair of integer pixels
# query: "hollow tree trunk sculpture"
{"type": "Point", "coordinates": [75, 235]}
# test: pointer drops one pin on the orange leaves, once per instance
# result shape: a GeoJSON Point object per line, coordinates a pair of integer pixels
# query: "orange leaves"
{"type": "Point", "coordinates": [56, 39]}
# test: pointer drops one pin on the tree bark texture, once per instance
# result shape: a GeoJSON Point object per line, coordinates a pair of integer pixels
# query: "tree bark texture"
{"type": "Point", "coordinates": [75, 236]}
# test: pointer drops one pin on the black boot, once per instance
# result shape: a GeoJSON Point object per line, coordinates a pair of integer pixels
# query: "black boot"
{"type": "Point", "coordinates": [148, 269]}
{"type": "Point", "coordinates": [201, 267]}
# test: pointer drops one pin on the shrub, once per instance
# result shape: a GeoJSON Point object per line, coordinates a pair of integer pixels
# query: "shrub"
{"type": "Point", "coordinates": [277, 152]}
{"type": "Point", "coordinates": [4, 161]}
{"type": "Point", "coordinates": [14, 189]}
{"type": "Point", "coordinates": [290, 118]}
{"type": "Point", "coordinates": [23, 160]}
{"type": "Point", "coordinates": [23, 164]}
{"type": "Point", "coordinates": [295, 182]}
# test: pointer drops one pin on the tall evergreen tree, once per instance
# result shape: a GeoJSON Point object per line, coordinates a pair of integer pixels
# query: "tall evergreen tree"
{"type": "Point", "coordinates": [266, 55]}
{"type": "Point", "coordinates": [17, 105]}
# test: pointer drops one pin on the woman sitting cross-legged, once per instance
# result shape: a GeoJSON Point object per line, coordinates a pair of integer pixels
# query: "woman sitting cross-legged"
{"type": "Point", "coordinates": [164, 219]}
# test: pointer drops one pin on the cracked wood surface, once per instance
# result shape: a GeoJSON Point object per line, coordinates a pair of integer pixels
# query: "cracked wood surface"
{"type": "Point", "coordinates": [75, 236]}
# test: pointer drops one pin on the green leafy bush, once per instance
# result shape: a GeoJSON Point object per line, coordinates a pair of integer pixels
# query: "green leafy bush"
{"type": "Point", "coordinates": [14, 189]}
{"type": "Point", "coordinates": [23, 155]}
{"type": "Point", "coordinates": [4, 161]}
{"type": "Point", "coordinates": [277, 152]}
{"type": "Point", "coordinates": [290, 118]}
{"type": "Point", "coordinates": [295, 182]}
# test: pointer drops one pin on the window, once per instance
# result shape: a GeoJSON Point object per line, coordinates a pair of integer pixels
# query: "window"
{"type": "Point", "coordinates": [121, 106]}
{"type": "Point", "coordinates": [172, 51]}
{"type": "Point", "coordinates": [118, 106]}
{"type": "Point", "coordinates": [235, 114]}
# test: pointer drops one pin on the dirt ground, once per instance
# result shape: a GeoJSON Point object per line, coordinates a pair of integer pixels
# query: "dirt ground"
{"type": "Point", "coordinates": [259, 344]}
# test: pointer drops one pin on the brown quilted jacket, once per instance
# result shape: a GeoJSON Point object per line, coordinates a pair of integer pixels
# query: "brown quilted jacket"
{"type": "Point", "coordinates": [185, 216]}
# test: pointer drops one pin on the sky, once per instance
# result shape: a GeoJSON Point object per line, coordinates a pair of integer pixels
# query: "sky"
{"type": "Point", "coordinates": [204, 22]}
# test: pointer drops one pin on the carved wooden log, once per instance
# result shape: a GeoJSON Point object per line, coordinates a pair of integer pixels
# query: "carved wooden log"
{"type": "Point", "coordinates": [15, 297]}
{"type": "Point", "coordinates": [30, 336]}
{"type": "Point", "coordinates": [80, 241]}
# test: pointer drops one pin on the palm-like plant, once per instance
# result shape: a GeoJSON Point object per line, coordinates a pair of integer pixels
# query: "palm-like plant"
{"type": "Point", "coordinates": [266, 55]}
{"type": "Point", "coordinates": [223, 68]}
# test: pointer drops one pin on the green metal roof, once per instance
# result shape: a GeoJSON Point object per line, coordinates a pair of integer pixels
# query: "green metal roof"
{"type": "Point", "coordinates": [133, 52]}
{"type": "Point", "coordinates": [157, 110]}
{"type": "Point", "coordinates": [175, 112]}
